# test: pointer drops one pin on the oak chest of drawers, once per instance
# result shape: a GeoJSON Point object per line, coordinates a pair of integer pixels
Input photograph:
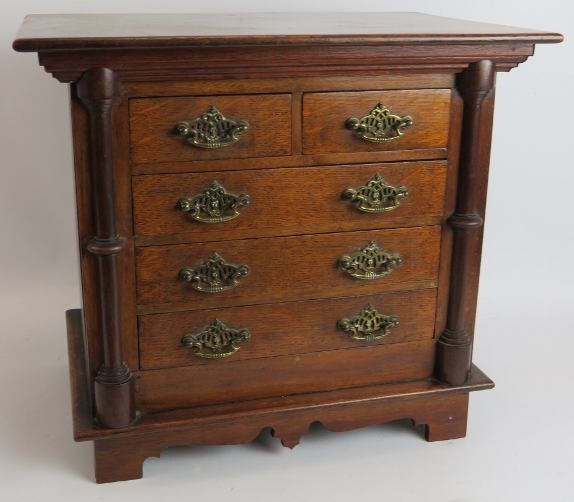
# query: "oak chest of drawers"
{"type": "Point", "coordinates": [280, 221]}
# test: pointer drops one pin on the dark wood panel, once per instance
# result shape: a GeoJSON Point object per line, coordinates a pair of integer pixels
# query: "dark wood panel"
{"type": "Point", "coordinates": [325, 159]}
{"type": "Point", "coordinates": [449, 202]}
{"type": "Point", "coordinates": [275, 61]}
{"type": "Point", "coordinates": [285, 268]}
{"type": "Point", "coordinates": [334, 402]}
{"type": "Point", "coordinates": [119, 453]}
{"type": "Point", "coordinates": [289, 201]}
{"type": "Point", "coordinates": [154, 139]}
{"type": "Point", "coordinates": [99, 31]}
{"type": "Point", "coordinates": [283, 375]}
{"type": "Point", "coordinates": [86, 231]}
{"type": "Point", "coordinates": [284, 328]}
{"type": "Point", "coordinates": [282, 85]}
{"type": "Point", "coordinates": [325, 115]}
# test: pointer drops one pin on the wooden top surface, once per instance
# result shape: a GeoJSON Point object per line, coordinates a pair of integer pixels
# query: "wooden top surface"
{"type": "Point", "coordinates": [109, 31]}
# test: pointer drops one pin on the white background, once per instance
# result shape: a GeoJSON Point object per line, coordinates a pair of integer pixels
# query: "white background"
{"type": "Point", "coordinates": [519, 445]}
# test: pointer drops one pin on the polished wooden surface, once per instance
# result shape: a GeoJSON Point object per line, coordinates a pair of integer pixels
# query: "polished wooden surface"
{"type": "Point", "coordinates": [242, 62]}
{"type": "Point", "coordinates": [289, 201]}
{"type": "Point", "coordinates": [154, 139]}
{"type": "Point", "coordinates": [295, 160]}
{"type": "Point", "coordinates": [190, 87]}
{"type": "Point", "coordinates": [283, 375]}
{"type": "Point", "coordinates": [454, 353]}
{"type": "Point", "coordinates": [132, 77]}
{"type": "Point", "coordinates": [114, 393]}
{"type": "Point", "coordinates": [96, 31]}
{"type": "Point", "coordinates": [325, 114]}
{"type": "Point", "coordinates": [285, 268]}
{"type": "Point", "coordinates": [284, 328]}
{"type": "Point", "coordinates": [120, 453]}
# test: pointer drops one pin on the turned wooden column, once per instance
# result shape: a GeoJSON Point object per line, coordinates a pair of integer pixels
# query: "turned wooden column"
{"type": "Point", "coordinates": [454, 348]}
{"type": "Point", "coordinates": [99, 90]}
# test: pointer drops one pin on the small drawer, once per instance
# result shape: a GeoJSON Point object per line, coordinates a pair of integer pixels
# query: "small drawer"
{"type": "Point", "coordinates": [209, 127]}
{"type": "Point", "coordinates": [243, 272]}
{"type": "Point", "coordinates": [190, 338]}
{"type": "Point", "coordinates": [372, 121]}
{"type": "Point", "coordinates": [233, 205]}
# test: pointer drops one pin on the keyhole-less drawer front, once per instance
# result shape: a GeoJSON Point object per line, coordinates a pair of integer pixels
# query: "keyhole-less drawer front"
{"type": "Point", "coordinates": [289, 201]}
{"type": "Point", "coordinates": [373, 121]}
{"type": "Point", "coordinates": [183, 129]}
{"type": "Point", "coordinates": [289, 268]}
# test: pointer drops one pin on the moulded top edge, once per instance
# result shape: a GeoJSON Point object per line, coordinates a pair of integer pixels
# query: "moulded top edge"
{"type": "Point", "coordinates": [54, 32]}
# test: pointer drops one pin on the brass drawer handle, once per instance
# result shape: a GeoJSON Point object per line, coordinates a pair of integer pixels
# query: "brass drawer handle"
{"type": "Point", "coordinates": [214, 275]}
{"type": "Point", "coordinates": [212, 130]}
{"type": "Point", "coordinates": [214, 205]}
{"type": "Point", "coordinates": [376, 196]}
{"type": "Point", "coordinates": [370, 262]}
{"type": "Point", "coordinates": [220, 340]}
{"type": "Point", "coordinates": [368, 325]}
{"type": "Point", "coordinates": [379, 126]}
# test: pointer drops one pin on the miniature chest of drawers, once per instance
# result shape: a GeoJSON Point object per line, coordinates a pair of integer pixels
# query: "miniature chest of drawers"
{"type": "Point", "coordinates": [280, 221]}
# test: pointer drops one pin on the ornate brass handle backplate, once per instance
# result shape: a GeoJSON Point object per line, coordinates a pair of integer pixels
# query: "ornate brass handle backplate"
{"type": "Point", "coordinates": [376, 196]}
{"type": "Point", "coordinates": [216, 338]}
{"type": "Point", "coordinates": [370, 262]}
{"type": "Point", "coordinates": [212, 130]}
{"type": "Point", "coordinates": [379, 126]}
{"type": "Point", "coordinates": [214, 275]}
{"type": "Point", "coordinates": [214, 205]}
{"type": "Point", "coordinates": [368, 325]}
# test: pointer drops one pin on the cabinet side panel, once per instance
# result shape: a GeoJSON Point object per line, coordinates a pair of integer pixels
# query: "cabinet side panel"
{"type": "Point", "coordinates": [483, 162]}
{"type": "Point", "coordinates": [86, 231]}
{"type": "Point", "coordinates": [88, 270]}
{"type": "Point", "coordinates": [456, 107]}
{"type": "Point", "coordinates": [124, 221]}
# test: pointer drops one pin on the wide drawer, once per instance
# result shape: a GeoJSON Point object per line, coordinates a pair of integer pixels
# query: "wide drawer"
{"type": "Point", "coordinates": [284, 268]}
{"type": "Point", "coordinates": [372, 121]}
{"type": "Point", "coordinates": [283, 375]}
{"type": "Point", "coordinates": [232, 205]}
{"type": "Point", "coordinates": [283, 328]}
{"type": "Point", "coordinates": [156, 137]}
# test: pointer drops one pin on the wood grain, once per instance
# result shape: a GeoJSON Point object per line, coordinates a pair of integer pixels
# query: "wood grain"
{"type": "Point", "coordinates": [283, 375]}
{"type": "Point", "coordinates": [325, 115]}
{"type": "Point", "coordinates": [100, 31]}
{"type": "Point", "coordinates": [476, 84]}
{"type": "Point", "coordinates": [444, 417]}
{"type": "Point", "coordinates": [289, 201]}
{"type": "Point", "coordinates": [160, 64]}
{"type": "Point", "coordinates": [336, 401]}
{"type": "Point", "coordinates": [253, 163]}
{"type": "Point", "coordinates": [119, 453]}
{"type": "Point", "coordinates": [284, 328]}
{"type": "Point", "coordinates": [154, 139]}
{"type": "Point", "coordinates": [295, 73]}
{"type": "Point", "coordinates": [285, 268]}
{"type": "Point", "coordinates": [449, 203]}
{"type": "Point", "coordinates": [114, 393]}
{"type": "Point", "coordinates": [86, 230]}
{"type": "Point", "coordinates": [287, 85]}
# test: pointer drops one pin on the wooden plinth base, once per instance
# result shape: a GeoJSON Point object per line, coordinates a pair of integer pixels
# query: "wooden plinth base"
{"type": "Point", "coordinates": [120, 453]}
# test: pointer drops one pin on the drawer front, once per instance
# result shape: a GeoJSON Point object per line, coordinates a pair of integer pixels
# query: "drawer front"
{"type": "Point", "coordinates": [289, 201]}
{"type": "Point", "coordinates": [284, 375]}
{"type": "Point", "coordinates": [284, 268]}
{"type": "Point", "coordinates": [284, 329]}
{"type": "Point", "coordinates": [155, 136]}
{"type": "Point", "coordinates": [407, 120]}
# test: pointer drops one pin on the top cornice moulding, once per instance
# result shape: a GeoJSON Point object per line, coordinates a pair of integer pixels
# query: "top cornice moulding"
{"type": "Point", "coordinates": [65, 32]}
